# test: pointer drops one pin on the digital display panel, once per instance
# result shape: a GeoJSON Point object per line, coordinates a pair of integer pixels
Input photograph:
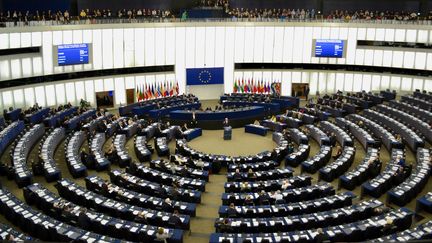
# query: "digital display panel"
{"type": "Point", "coordinates": [72, 54]}
{"type": "Point", "coordinates": [329, 48]}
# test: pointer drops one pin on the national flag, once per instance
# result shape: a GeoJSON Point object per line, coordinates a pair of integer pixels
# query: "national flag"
{"type": "Point", "coordinates": [246, 86]}
{"type": "Point", "coordinates": [171, 89]}
{"type": "Point", "coordinates": [159, 92]}
{"type": "Point", "coordinates": [153, 91]}
{"type": "Point", "coordinates": [162, 89]}
{"type": "Point", "coordinates": [235, 86]}
{"type": "Point", "coordinates": [143, 91]}
{"type": "Point", "coordinates": [137, 92]}
{"type": "Point", "coordinates": [140, 93]}
{"type": "Point", "coordinates": [241, 86]}
{"type": "Point", "coordinates": [149, 93]}
{"type": "Point", "coordinates": [177, 88]}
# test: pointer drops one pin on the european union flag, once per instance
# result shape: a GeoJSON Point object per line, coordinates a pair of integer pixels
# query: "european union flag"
{"type": "Point", "coordinates": [204, 76]}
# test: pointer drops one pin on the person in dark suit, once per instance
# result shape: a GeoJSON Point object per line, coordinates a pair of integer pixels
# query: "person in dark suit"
{"type": "Point", "coordinates": [167, 205]}
{"type": "Point", "coordinates": [263, 198]}
{"type": "Point", "coordinates": [83, 220]}
{"type": "Point", "coordinates": [224, 226]}
{"type": "Point", "coordinates": [231, 211]}
{"type": "Point", "coordinates": [84, 156]}
{"type": "Point", "coordinates": [306, 91]}
{"type": "Point", "coordinates": [226, 122]}
{"type": "Point", "coordinates": [174, 220]}
{"type": "Point", "coordinates": [321, 237]}
{"type": "Point", "coordinates": [193, 122]}
{"type": "Point", "coordinates": [251, 174]}
{"type": "Point", "coordinates": [237, 175]}
{"type": "Point", "coordinates": [374, 167]}
{"type": "Point", "coordinates": [398, 176]}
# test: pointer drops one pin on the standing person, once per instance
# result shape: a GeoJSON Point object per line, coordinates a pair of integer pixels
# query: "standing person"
{"type": "Point", "coordinates": [306, 91]}
{"type": "Point", "coordinates": [226, 122]}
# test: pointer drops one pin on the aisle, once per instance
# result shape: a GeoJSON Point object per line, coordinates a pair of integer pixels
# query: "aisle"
{"type": "Point", "coordinates": [207, 211]}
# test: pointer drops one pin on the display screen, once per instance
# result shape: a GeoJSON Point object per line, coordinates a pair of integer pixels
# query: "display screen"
{"type": "Point", "coordinates": [329, 48]}
{"type": "Point", "coordinates": [72, 54]}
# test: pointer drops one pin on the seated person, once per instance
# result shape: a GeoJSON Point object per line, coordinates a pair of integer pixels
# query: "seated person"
{"type": "Point", "coordinates": [273, 118]}
{"type": "Point", "coordinates": [407, 170]}
{"type": "Point", "coordinates": [257, 123]}
{"type": "Point", "coordinates": [388, 226]}
{"type": "Point", "coordinates": [278, 197]}
{"type": "Point", "coordinates": [332, 138]}
{"type": "Point", "coordinates": [380, 210]}
{"type": "Point", "coordinates": [338, 153]}
{"type": "Point", "coordinates": [263, 198]}
{"type": "Point", "coordinates": [174, 220]}
{"type": "Point", "coordinates": [167, 205]}
{"type": "Point", "coordinates": [184, 128]}
{"type": "Point", "coordinates": [398, 137]}
{"type": "Point", "coordinates": [248, 201]}
{"type": "Point", "coordinates": [374, 167]}
{"type": "Point", "coordinates": [400, 161]}
{"type": "Point", "coordinates": [83, 220]}
{"type": "Point", "coordinates": [141, 218]}
{"type": "Point", "coordinates": [244, 186]}
{"type": "Point", "coordinates": [162, 234]}
{"type": "Point", "coordinates": [231, 211]}
{"type": "Point", "coordinates": [321, 236]}
{"type": "Point", "coordinates": [224, 226]}
{"type": "Point", "coordinates": [285, 184]}
{"type": "Point", "coordinates": [399, 176]}
{"type": "Point", "coordinates": [237, 175]}
{"type": "Point", "coordinates": [251, 174]}
{"type": "Point", "coordinates": [290, 148]}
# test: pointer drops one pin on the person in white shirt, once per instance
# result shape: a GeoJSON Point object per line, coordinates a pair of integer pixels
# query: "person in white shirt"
{"type": "Point", "coordinates": [162, 234]}
{"type": "Point", "coordinates": [199, 163]}
{"type": "Point", "coordinates": [285, 184]}
{"type": "Point", "coordinates": [278, 197]}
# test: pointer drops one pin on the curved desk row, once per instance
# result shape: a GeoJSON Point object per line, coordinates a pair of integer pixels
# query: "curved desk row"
{"type": "Point", "coordinates": [285, 102]}
{"type": "Point", "coordinates": [159, 113]}
{"type": "Point", "coordinates": [213, 119]}
{"type": "Point", "coordinates": [272, 107]}
{"type": "Point", "coordinates": [37, 116]}
{"type": "Point", "coordinates": [128, 109]}
{"type": "Point", "coordinates": [55, 119]}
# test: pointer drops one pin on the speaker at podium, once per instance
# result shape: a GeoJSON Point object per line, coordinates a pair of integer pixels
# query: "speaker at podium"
{"type": "Point", "coordinates": [227, 133]}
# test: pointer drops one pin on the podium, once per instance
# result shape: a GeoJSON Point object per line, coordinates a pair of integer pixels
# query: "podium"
{"type": "Point", "coordinates": [227, 133]}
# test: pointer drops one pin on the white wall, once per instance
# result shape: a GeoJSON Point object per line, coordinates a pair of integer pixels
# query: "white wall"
{"type": "Point", "coordinates": [331, 81]}
{"type": "Point", "coordinates": [57, 93]}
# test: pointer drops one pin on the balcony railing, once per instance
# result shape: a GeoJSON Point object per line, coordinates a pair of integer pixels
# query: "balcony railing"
{"type": "Point", "coordinates": [90, 21]}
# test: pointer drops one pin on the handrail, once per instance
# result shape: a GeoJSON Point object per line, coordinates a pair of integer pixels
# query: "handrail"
{"type": "Point", "coordinates": [115, 20]}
